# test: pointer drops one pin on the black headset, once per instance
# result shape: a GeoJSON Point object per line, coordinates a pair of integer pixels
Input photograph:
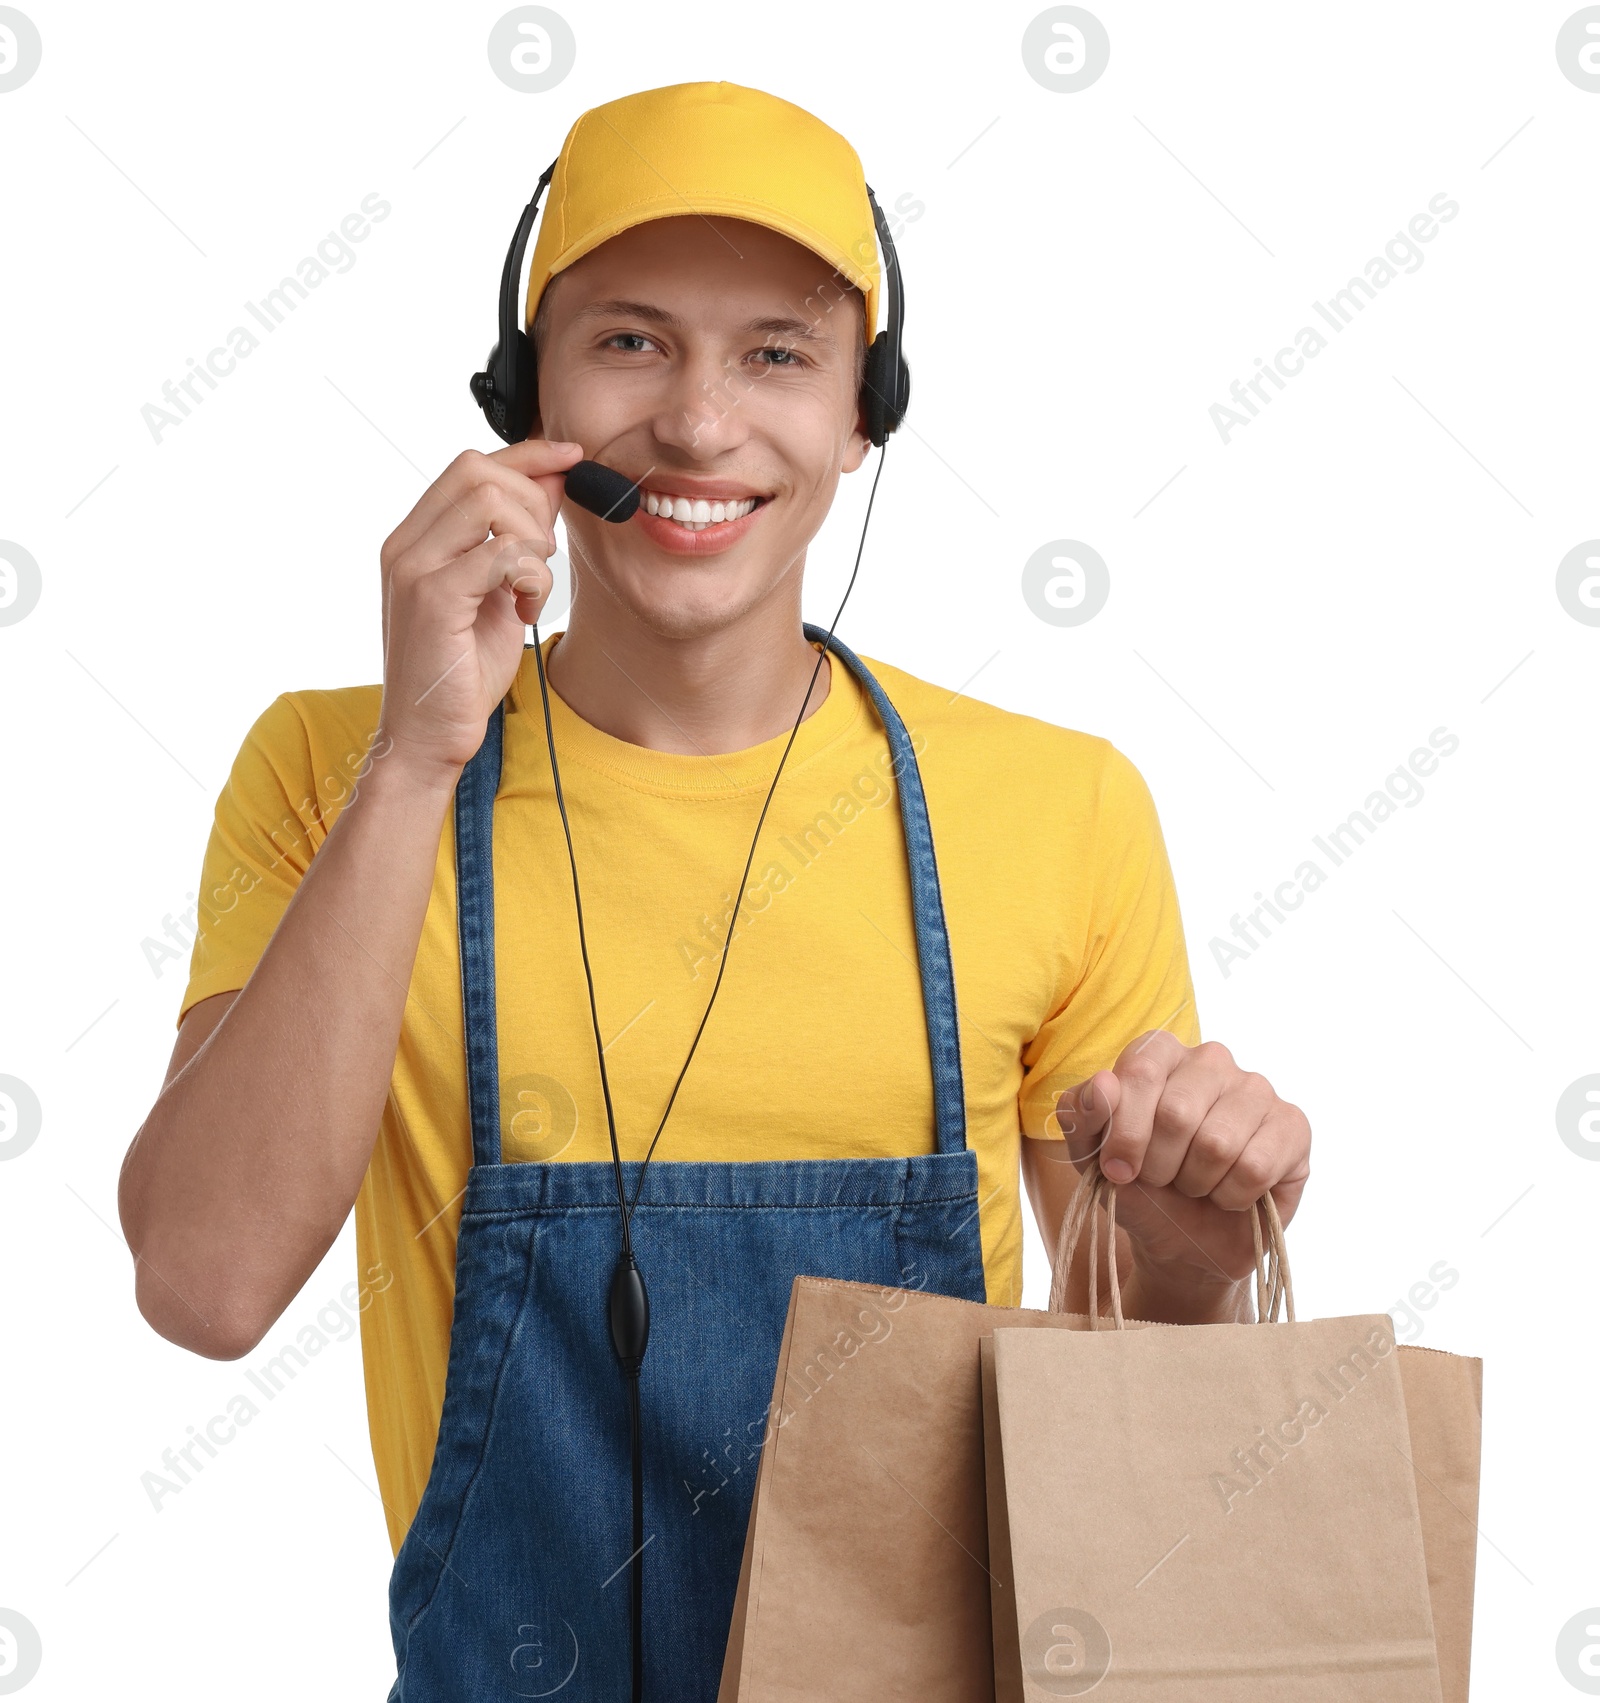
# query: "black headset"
{"type": "Point", "coordinates": [508, 389]}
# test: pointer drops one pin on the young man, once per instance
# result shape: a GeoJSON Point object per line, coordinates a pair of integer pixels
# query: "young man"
{"type": "Point", "coordinates": [703, 288]}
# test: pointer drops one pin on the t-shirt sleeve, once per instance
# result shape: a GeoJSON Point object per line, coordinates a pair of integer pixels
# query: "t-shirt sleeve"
{"type": "Point", "coordinates": [1130, 973]}
{"type": "Point", "coordinates": [268, 824]}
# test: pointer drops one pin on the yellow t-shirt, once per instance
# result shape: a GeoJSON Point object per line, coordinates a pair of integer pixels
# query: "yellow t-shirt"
{"type": "Point", "coordinates": [1064, 930]}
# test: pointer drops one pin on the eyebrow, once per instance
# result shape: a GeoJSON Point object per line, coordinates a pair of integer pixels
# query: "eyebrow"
{"type": "Point", "coordinates": [782, 325]}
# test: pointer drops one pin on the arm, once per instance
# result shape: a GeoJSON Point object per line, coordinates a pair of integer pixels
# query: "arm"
{"type": "Point", "coordinates": [242, 1174]}
{"type": "Point", "coordinates": [1189, 1138]}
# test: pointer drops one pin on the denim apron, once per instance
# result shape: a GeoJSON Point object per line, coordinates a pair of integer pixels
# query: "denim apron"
{"type": "Point", "coordinates": [513, 1580]}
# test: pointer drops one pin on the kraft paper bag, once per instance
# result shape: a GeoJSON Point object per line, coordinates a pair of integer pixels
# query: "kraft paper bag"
{"type": "Point", "coordinates": [1444, 1411]}
{"type": "Point", "coordinates": [865, 1573]}
{"type": "Point", "coordinates": [1228, 1513]}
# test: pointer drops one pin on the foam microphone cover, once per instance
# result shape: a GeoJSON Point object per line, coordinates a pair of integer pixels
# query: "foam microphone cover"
{"type": "Point", "coordinates": [602, 490]}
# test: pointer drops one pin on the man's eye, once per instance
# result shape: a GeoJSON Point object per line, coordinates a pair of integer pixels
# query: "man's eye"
{"type": "Point", "coordinates": [631, 342]}
{"type": "Point", "coordinates": [782, 357]}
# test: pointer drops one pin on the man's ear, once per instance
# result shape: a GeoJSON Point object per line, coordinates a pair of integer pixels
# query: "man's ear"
{"type": "Point", "coordinates": [855, 451]}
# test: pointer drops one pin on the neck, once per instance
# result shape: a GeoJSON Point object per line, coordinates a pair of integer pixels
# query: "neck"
{"type": "Point", "coordinates": [703, 695]}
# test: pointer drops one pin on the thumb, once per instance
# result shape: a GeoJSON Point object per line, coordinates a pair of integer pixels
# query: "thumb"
{"type": "Point", "coordinates": [1084, 1114]}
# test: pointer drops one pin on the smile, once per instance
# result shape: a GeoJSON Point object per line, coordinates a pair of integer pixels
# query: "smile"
{"type": "Point", "coordinates": [694, 514]}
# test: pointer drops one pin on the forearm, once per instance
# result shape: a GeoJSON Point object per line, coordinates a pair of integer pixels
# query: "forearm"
{"type": "Point", "coordinates": [249, 1162]}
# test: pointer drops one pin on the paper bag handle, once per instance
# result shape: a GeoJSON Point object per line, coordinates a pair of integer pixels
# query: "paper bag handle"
{"type": "Point", "coordinates": [1274, 1287]}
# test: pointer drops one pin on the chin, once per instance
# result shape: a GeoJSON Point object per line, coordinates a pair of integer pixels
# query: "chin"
{"type": "Point", "coordinates": [684, 606]}
{"type": "Point", "coordinates": [685, 598]}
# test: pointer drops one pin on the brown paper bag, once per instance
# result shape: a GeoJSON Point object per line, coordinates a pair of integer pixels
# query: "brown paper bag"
{"type": "Point", "coordinates": [866, 1570]}
{"type": "Point", "coordinates": [1225, 1512]}
{"type": "Point", "coordinates": [1444, 1411]}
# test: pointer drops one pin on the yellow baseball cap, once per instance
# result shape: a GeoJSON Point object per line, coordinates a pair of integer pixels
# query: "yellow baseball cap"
{"type": "Point", "coordinates": [714, 148]}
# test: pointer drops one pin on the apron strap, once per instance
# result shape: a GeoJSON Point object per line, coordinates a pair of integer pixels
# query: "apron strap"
{"type": "Point", "coordinates": [927, 911]}
{"type": "Point", "coordinates": [475, 792]}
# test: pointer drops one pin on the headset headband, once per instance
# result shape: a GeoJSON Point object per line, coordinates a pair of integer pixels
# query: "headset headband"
{"type": "Point", "coordinates": [508, 389]}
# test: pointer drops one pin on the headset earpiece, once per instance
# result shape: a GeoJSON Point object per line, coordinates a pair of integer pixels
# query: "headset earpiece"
{"type": "Point", "coordinates": [507, 390]}
{"type": "Point", "coordinates": [886, 379]}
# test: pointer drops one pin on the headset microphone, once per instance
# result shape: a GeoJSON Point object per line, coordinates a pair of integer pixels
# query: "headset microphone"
{"type": "Point", "coordinates": [603, 491]}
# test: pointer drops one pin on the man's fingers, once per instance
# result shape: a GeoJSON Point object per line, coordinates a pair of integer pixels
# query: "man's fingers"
{"type": "Point", "coordinates": [1221, 1135]}
{"type": "Point", "coordinates": [487, 508]}
{"type": "Point", "coordinates": [1276, 1157]}
{"type": "Point", "coordinates": [515, 563]}
{"type": "Point", "coordinates": [1142, 1072]}
{"type": "Point", "coordinates": [519, 470]}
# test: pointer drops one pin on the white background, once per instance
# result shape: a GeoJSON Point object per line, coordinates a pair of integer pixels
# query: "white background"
{"type": "Point", "coordinates": [1374, 557]}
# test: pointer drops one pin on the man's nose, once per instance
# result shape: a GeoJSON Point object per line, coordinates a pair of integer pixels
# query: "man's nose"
{"type": "Point", "coordinates": [703, 408]}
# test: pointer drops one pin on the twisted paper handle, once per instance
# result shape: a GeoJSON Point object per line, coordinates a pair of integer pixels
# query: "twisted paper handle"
{"type": "Point", "coordinates": [1274, 1286]}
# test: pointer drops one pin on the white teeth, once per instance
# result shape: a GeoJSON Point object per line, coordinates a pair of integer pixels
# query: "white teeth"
{"type": "Point", "coordinates": [695, 513]}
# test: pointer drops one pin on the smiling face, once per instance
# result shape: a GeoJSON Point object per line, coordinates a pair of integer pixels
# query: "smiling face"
{"type": "Point", "coordinates": [716, 363]}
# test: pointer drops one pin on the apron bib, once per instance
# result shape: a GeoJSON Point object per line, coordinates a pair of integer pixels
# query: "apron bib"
{"type": "Point", "coordinates": [513, 1580]}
